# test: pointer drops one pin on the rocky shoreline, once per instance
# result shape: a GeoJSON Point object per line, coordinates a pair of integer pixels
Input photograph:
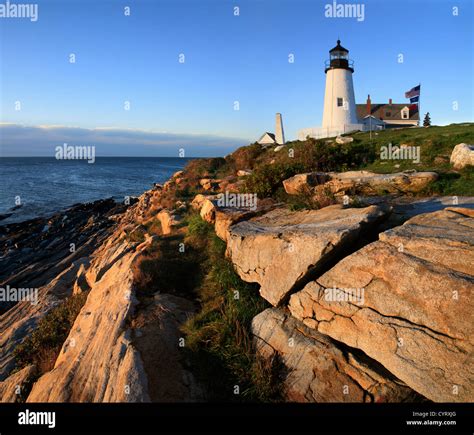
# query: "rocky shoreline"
{"type": "Point", "coordinates": [368, 300]}
{"type": "Point", "coordinates": [34, 251]}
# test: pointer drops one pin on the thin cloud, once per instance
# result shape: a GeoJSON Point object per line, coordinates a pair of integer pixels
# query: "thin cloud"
{"type": "Point", "coordinates": [27, 141]}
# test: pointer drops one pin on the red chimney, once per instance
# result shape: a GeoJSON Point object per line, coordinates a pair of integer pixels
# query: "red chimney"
{"type": "Point", "coordinates": [390, 101]}
{"type": "Point", "coordinates": [369, 105]}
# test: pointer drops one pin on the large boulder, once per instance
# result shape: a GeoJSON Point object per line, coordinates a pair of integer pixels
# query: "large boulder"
{"type": "Point", "coordinates": [168, 220]}
{"type": "Point", "coordinates": [317, 369]}
{"type": "Point", "coordinates": [407, 302]}
{"type": "Point", "coordinates": [209, 183]}
{"type": "Point", "coordinates": [215, 209]}
{"type": "Point", "coordinates": [369, 183]}
{"type": "Point", "coordinates": [199, 199]}
{"type": "Point", "coordinates": [227, 216]}
{"type": "Point", "coordinates": [206, 206]}
{"type": "Point", "coordinates": [208, 211]}
{"type": "Point", "coordinates": [300, 183]}
{"type": "Point", "coordinates": [462, 156]}
{"type": "Point", "coordinates": [359, 182]}
{"type": "Point", "coordinates": [280, 248]}
{"type": "Point", "coordinates": [98, 362]}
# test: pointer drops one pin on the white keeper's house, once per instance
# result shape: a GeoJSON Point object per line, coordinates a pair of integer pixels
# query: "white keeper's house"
{"type": "Point", "coordinates": [342, 115]}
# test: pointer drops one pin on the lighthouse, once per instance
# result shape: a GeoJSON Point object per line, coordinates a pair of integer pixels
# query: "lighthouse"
{"type": "Point", "coordinates": [339, 113]}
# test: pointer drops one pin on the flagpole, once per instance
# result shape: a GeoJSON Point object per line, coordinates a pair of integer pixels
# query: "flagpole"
{"type": "Point", "coordinates": [419, 106]}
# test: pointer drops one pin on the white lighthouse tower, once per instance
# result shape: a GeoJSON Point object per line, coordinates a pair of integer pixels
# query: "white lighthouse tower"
{"type": "Point", "coordinates": [339, 113]}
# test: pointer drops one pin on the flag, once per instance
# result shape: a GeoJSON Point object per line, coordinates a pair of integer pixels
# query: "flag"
{"type": "Point", "coordinates": [413, 92]}
{"type": "Point", "coordinates": [414, 99]}
{"type": "Point", "coordinates": [412, 107]}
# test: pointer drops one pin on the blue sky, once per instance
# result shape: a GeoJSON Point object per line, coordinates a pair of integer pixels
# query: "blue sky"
{"type": "Point", "coordinates": [227, 58]}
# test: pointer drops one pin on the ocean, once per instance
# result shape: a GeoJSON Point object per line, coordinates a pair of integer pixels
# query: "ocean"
{"type": "Point", "coordinates": [45, 185]}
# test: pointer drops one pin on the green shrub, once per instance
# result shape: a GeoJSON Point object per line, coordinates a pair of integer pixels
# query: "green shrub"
{"type": "Point", "coordinates": [203, 167]}
{"type": "Point", "coordinates": [266, 179]}
{"type": "Point", "coordinates": [185, 193]}
{"type": "Point", "coordinates": [44, 344]}
{"type": "Point", "coordinates": [245, 157]}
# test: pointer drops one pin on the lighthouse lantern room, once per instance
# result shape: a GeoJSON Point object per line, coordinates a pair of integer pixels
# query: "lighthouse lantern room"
{"type": "Point", "coordinates": [339, 58]}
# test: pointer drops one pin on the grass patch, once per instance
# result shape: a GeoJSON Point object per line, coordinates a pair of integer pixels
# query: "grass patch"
{"type": "Point", "coordinates": [436, 145]}
{"type": "Point", "coordinates": [166, 268]}
{"type": "Point", "coordinates": [218, 337]}
{"type": "Point", "coordinates": [197, 229]}
{"type": "Point", "coordinates": [42, 347]}
{"type": "Point", "coordinates": [452, 183]}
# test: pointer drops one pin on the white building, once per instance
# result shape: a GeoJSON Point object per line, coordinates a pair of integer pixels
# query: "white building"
{"type": "Point", "coordinates": [342, 115]}
{"type": "Point", "coordinates": [267, 139]}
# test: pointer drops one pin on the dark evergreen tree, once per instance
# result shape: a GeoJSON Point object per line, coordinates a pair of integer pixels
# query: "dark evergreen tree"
{"type": "Point", "coordinates": [427, 120]}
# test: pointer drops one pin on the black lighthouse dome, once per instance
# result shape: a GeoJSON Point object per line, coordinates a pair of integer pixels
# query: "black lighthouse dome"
{"type": "Point", "coordinates": [339, 58]}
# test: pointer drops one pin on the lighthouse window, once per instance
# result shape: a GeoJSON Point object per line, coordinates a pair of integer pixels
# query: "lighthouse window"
{"type": "Point", "coordinates": [340, 102]}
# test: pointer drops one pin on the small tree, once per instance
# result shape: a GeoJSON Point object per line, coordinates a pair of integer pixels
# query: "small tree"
{"type": "Point", "coordinates": [427, 120]}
